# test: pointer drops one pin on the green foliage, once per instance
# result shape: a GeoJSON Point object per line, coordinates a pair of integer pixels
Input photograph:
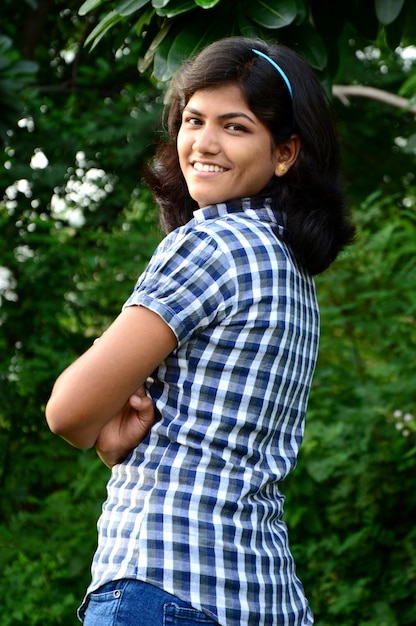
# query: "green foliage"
{"type": "Point", "coordinates": [76, 228]}
{"type": "Point", "coordinates": [16, 75]}
{"type": "Point", "coordinates": [46, 550]}
{"type": "Point", "coordinates": [351, 506]}
{"type": "Point", "coordinates": [376, 139]}
{"type": "Point", "coordinates": [313, 27]}
{"type": "Point", "coordinates": [388, 11]}
{"type": "Point", "coordinates": [51, 493]}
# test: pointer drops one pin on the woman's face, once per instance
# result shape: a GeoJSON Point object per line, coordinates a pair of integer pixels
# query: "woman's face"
{"type": "Point", "coordinates": [225, 151]}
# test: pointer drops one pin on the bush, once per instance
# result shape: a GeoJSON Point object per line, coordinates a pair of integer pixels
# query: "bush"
{"type": "Point", "coordinates": [351, 502]}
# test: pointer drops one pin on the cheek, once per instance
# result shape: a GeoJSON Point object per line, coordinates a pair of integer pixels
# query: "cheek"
{"type": "Point", "coordinates": [181, 149]}
{"type": "Point", "coordinates": [259, 174]}
{"type": "Point", "coordinates": [179, 142]}
{"type": "Point", "coordinates": [181, 138]}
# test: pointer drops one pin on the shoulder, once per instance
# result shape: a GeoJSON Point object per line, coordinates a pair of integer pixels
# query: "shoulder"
{"type": "Point", "coordinates": [249, 237]}
{"type": "Point", "coordinates": [228, 245]}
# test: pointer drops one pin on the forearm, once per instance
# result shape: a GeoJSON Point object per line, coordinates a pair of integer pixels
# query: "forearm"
{"type": "Point", "coordinates": [74, 410]}
{"type": "Point", "coordinates": [111, 458]}
{"type": "Point", "coordinates": [97, 386]}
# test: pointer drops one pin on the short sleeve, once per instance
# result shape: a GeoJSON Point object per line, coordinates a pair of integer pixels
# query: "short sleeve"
{"type": "Point", "coordinates": [189, 282]}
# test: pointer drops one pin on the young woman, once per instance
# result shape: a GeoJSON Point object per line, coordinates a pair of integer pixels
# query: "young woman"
{"type": "Point", "coordinates": [225, 322]}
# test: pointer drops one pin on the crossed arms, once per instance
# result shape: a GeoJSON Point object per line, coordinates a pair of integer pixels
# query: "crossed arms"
{"type": "Point", "coordinates": [100, 400]}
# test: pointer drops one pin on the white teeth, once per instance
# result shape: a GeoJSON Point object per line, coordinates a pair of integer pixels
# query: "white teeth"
{"type": "Point", "coordinates": [201, 167]}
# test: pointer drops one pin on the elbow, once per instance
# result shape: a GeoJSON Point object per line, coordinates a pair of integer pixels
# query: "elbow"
{"type": "Point", "coordinates": [67, 427]}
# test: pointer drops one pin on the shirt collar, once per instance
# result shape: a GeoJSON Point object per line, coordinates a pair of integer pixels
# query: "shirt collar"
{"type": "Point", "coordinates": [257, 207]}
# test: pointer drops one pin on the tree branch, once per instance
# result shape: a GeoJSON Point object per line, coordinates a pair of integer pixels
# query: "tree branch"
{"type": "Point", "coordinates": [343, 92]}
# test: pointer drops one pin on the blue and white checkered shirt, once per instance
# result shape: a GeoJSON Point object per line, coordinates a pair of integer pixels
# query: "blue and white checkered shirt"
{"type": "Point", "coordinates": [196, 509]}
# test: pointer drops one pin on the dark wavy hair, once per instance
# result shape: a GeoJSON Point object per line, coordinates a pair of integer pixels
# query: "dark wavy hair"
{"type": "Point", "coordinates": [311, 193]}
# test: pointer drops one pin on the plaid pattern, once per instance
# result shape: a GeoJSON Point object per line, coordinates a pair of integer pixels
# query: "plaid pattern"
{"type": "Point", "coordinates": [196, 508]}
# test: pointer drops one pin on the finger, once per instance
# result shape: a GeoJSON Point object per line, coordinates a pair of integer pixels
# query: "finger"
{"type": "Point", "coordinates": [140, 403]}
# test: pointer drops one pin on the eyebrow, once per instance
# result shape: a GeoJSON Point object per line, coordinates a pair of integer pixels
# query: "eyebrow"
{"type": "Point", "coordinates": [224, 116]}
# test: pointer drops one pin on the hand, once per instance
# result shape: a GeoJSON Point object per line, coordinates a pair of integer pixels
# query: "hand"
{"type": "Point", "coordinates": [126, 429]}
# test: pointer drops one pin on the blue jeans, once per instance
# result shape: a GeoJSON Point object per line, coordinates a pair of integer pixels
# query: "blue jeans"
{"type": "Point", "coordinates": [135, 603]}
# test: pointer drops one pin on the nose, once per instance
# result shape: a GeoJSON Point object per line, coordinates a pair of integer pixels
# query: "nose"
{"type": "Point", "coordinates": [206, 140]}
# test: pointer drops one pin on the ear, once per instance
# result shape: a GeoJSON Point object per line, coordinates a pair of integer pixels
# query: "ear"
{"type": "Point", "coordinates": [287, 153]}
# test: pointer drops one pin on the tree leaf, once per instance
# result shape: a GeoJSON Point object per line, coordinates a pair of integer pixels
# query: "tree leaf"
{"type": "Point", "coordinates": [248, 28]}
{"type": "Point", "coordinates": [127, 7]}
{"type": "Point", "coordinates": [185, 45]}
{"type": "Point", "coordinates": [176, 7]}
{"type": "Point", "coordinates": [310, 44]}
{"type": "Point", "coordinates": [159, 4]}
{"type": "Point", "coordinates": [410, 147]}
{"type": "Point", "coordinates": [190, 41]}
{"type": "Point", "coordinates": [156, 44]}
{"type": "Point", "coordinates": [89, 5]}
{"type": "Point", "coordinates": [272, 14]}
{"type": "Point", "coordinates": [206, 4]}
{"type": "Point", "coordinates": [102, 28]}
{"type": "Point", "coordinates": [408, 88]}
{"type": "Point", "coordinates": [5, 44]}
{"type": "Point", "coordinates": [144, 21]}
{"type": "Point", "coordinates": [388, 10]}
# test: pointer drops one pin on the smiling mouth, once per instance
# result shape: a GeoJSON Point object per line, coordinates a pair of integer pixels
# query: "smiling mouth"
{"type": "Point", "coordinates": [205, 167]}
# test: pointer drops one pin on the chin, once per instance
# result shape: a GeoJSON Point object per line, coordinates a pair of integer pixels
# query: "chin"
{"type": "Point", "coordinates": [201, 203]}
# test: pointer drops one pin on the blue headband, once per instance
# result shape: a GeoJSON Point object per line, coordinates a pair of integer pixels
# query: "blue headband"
{"type": "Point", "coordinates": [277, 67]}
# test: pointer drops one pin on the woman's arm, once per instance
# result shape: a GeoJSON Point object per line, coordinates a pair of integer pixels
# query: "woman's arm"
{"type": "Point", "coordinates": [98, 385]}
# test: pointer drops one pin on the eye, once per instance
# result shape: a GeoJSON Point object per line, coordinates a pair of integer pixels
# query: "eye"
{"type": "Point", "coordinates": [192, 121]}
{"type": "Point", "coordinates": [234, 127]}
